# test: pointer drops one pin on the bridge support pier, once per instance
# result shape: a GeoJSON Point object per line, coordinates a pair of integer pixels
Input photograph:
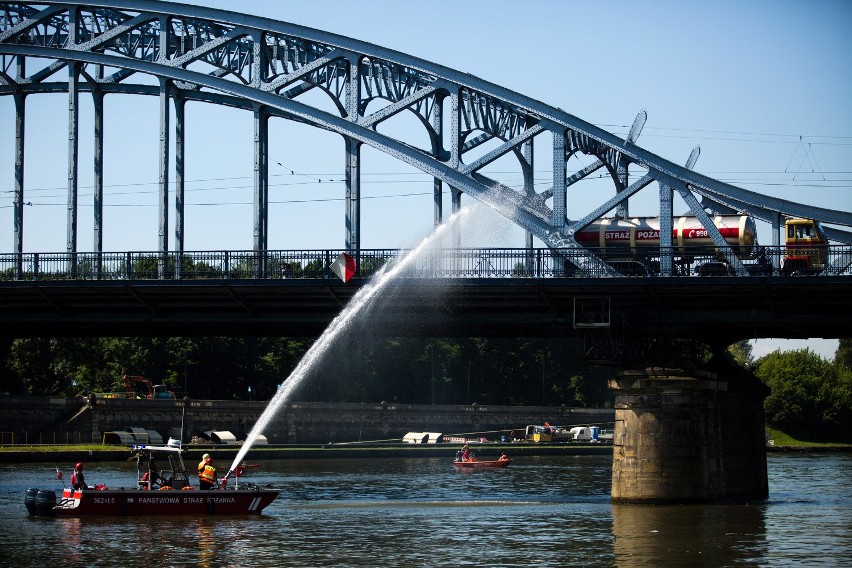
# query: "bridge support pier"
{"type": "Point", "coordinates": [686, 436]}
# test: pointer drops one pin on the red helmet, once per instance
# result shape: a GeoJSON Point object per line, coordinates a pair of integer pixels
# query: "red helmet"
{"type": "Point", "coordinates": [79, 467]}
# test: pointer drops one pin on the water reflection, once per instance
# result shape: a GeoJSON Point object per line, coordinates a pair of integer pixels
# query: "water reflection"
{"type": "Point", "coordinates": [206, 543]}
{"type": "Point", "coordinates": [72, 537]}
{"type": "Point", "coordinates": [688, 535]}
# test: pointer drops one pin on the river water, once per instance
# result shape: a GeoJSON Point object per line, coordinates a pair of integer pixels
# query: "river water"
{"type": "Point", "coordinates": [540, 511]}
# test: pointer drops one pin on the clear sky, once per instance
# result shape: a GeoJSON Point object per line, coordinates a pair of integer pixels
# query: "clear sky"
{"type": "Point", "coordinates": [764, 87]}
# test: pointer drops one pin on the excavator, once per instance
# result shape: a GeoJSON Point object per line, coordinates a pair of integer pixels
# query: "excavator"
{"type": "Point", "coordinates": [159, 392]}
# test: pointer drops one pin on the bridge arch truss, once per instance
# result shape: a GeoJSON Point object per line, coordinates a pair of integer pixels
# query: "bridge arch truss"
{"type": "Point", "coordinates": [267, 67]}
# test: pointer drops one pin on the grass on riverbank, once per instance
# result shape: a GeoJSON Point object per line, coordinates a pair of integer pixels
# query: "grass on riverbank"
{"type": "Point", "coordinates": [60, 448]}
{"type": "Point", "coordinates": [781, 439]}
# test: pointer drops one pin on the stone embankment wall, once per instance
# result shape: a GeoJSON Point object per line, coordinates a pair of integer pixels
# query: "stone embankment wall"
{"type": "Point", "coordinates": [60, 420]}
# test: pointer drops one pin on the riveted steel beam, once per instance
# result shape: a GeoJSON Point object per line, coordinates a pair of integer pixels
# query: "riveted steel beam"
{"type": "Point", "coordinates": [261, 190]}
{"type": "Point", "coordinates": [180, 171]}
{"type": "Point", "coordinates": [98, 163]}
{"type": "Point", "coordinates": [559, 187]}
{"type": "Point", "coordinates": [502, 150]}
{"type": "Point", "coordinates": [18, 206]}
{"type": "Point", "coordinates": [163, 192]}
{"type": "Point", "coordinates": [73, 158]}
{"type": "Point", "coordinates": [437, 151]}
{"type": "Point", "coordinates": [528, 169]}
{"type": "Point", "coordinates": [353, 196]}
{"type": "Point", "coordinates": [666, 198]}
{"type": "Point", "coordinates": [352, 166]}
{"type": "Point", "coordinates": [712, 230]}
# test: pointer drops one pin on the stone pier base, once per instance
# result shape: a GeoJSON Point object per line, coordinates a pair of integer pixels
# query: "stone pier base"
{"type": "Point", "coordinates": [688, 436]}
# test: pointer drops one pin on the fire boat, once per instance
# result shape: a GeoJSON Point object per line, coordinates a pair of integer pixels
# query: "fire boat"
{"type": "Point", "coordinates": [165, 491]}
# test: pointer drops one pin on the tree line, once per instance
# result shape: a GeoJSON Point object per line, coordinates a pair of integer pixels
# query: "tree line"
{"type": "Point", "coordinates": [810, 397]}
{"type": "Point", "coordinates": [403, 370]}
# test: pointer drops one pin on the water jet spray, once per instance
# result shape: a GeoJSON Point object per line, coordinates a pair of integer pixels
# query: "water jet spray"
{"type": "Point", "coordinates": [360, 301]}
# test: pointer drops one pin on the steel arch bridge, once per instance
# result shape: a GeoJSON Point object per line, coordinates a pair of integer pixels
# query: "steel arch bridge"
{"type": "Point", "coordinates": [266, 67]}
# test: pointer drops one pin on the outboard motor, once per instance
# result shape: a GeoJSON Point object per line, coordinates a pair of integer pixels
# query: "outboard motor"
{"type": "Point", "coordinates": [45, 502]}
{"type": "Point", "coordinates": [30, 501]}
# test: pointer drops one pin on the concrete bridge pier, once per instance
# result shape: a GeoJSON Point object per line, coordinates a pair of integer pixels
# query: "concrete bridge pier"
{"type": "Point", "coordinates": [688, 436]}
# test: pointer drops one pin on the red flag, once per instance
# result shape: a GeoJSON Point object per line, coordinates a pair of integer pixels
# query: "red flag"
{"type": "Point", "coordinates": [344, 267]}
{"type": "Point", "coordinates": [58, 473]}
{"type": "Point", "coordinates": [241, 469]}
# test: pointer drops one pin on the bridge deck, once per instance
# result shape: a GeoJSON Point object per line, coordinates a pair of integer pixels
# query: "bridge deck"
{"type": "Point", "coordinates": [720, 308]}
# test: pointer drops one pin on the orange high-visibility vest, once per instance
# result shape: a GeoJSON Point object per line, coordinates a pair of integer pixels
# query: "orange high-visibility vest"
{"type": "Point", "coordinates": [207, 474]}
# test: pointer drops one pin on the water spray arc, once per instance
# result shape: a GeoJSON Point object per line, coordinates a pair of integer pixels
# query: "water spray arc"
{"type": "Point", "coordinates": [361, 301]}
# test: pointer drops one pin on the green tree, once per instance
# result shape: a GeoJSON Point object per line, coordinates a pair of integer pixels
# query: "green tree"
{"type": "Point", "coordinates": [10, 382]}
{"type": "Point", "coordinates": [741, 353]}
{"type": "Point", "coordinates": [360, 367]}
{"type": "Point", "coordinates": [29, 362]}
{"type": "Point", "coordinates": [810, 397]}
{"type": "Point", "coordinates": [57, 366]}
{"type": "Point", "coordinates": [843, 355]}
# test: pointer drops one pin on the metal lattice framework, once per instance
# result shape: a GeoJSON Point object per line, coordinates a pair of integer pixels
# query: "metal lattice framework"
{"type": "Point", "coordinates": [265, 66]}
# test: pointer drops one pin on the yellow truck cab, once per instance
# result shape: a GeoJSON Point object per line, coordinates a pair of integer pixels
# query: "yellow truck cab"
{"type": "Point", "coordinates": [806, 247]}
{"type": "Point", "coordinates": [539, 434]}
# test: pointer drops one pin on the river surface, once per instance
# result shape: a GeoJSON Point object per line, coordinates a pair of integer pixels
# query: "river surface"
{"type": "Point", "coordinates": [540, 511]}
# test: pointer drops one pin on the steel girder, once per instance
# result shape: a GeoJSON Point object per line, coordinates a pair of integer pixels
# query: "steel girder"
{"type": "Point", "coordinates": [220, 57]}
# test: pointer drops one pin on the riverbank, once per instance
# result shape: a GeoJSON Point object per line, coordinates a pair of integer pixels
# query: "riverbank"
{"type": "Point", "coordinates": [61, 454]}
{"type": "Point", "coordinates": [34, 454]}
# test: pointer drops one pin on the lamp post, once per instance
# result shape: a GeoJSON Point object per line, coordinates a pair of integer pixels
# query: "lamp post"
{"type": "Point", "coordinates": [183, 418]}
{"type": "Point", "coordinates": [185, 380]}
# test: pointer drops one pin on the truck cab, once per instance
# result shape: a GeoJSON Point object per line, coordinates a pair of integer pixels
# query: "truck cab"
{"type": "Point", "coordinates": [806, 247]}
{"type": "Point", "coordinates": [580, 434]}
{"type": "Point", "coordinates": [539, 434]}
{"type": "Point", "coordinates": [162, 392]}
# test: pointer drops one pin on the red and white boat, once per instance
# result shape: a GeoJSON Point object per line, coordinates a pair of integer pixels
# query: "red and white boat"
{"type": "Point", "coordinates": [170, 493]}
{"type": "Point", "coordinates": [482, 464]}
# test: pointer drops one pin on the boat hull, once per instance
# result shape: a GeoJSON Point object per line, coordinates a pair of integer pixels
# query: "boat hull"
{"type": "Point", "coordinates": [130, 503]}
{"type": "Point", "coordinates": [482, 464]}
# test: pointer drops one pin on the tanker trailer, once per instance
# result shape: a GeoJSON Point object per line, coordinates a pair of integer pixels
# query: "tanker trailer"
{"type": "Point", "coordinates": [629, 244]}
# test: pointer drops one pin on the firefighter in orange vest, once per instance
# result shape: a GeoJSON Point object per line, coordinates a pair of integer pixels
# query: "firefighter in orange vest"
{"type": "Point", "coordinates": [204, 458]}
{"type": "Point", "coordinates": [206, 473]}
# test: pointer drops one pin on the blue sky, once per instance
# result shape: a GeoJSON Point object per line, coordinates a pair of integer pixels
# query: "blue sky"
{"type": "Point", "coordinates": [763, 87]}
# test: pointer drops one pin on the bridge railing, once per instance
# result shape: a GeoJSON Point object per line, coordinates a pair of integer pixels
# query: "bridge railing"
{"type": "Point", "coordinates": [445, 263]}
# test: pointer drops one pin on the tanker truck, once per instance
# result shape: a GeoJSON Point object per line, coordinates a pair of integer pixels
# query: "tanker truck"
{"type": "Point", "coordinates": [631, 245]}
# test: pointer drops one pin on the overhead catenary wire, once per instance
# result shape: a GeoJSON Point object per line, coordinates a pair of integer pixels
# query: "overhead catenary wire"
{"type": "Point", "coordinates": [334, 178]}
{"type": "Point", "coordinates": [829, 184]}
{"type": "Point", "coordinates": [758, 136]}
